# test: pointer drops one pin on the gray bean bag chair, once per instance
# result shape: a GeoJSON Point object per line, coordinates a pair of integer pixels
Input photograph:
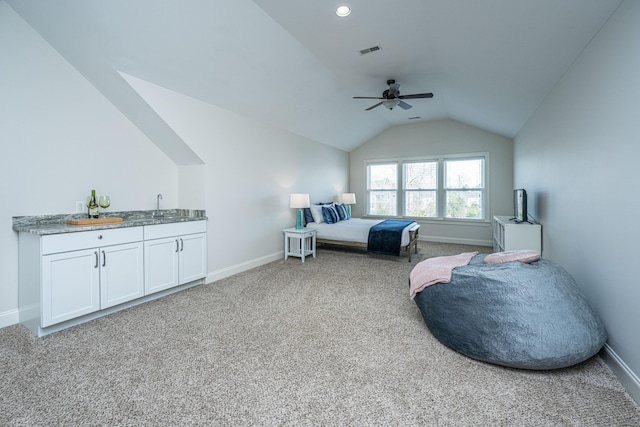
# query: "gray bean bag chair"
{"type": "Point", "coordinates": [530, 316]}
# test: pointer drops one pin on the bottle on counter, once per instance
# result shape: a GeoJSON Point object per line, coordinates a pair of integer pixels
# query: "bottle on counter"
{"type": "Point", "coordinates": [92, 204]}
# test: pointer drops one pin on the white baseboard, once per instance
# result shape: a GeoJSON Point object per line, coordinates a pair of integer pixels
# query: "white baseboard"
{"type": "Point", "coordinates": [627, 377]}
{"type": "Point", "coordinates": [456, 240]}
{"type": "Point", "coordinates": [9, 318]}
{"type": "Point", "coordinates": [244, 266]}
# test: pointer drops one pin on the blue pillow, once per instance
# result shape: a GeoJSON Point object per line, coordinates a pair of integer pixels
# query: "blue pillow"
{"type": "Point", "coordinates": [307, 215]}
{"type": "Point", "coordinates": [347, 211]}
{"type": "Point", "coordinates": [342, 212]}
{"type": "Point", "coordinates": [330, 215]}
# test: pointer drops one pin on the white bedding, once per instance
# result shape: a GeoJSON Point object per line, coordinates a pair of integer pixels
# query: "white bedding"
{"type": "Point", "coordinates": [354, 230]}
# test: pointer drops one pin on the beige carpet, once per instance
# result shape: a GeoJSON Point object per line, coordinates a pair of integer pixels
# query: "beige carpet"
{"type": "Point", "coordinates": [333, 341]}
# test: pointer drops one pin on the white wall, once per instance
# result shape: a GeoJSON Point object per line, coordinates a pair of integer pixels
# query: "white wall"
{"type": "Point", "coordinates": [60, 138]}
{"type": "Point", "coordinates": [250, 170]}
{"type": "Point", "coordinates": [578, 159]}
{"type": "Point", "coordinates": [192, 191]}
{"type": "Point", "coordinates": [443, 137]}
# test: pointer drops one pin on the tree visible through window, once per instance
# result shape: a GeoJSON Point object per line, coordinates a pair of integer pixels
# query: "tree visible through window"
{"type": "Point", "coordinates": [443, 187]}
{"type": "Point", "coordinates": [464, 188]}
{"type": "Point", "coordinates": [421, 189]}
{"type": "Point", "coordinates": [382, 181]}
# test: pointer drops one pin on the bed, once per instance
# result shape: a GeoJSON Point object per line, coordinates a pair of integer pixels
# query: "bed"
{"type": "Point", "coordinates": [355, 232]}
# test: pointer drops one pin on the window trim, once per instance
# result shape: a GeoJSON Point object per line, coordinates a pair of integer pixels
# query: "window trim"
{"type": "Point", "coordinates": [368, 188]}
{"type": "Point", "coordinates": [400, 190]}
{"type": "Point", "coordinates": [404, 190]}
{"type": "Point", "coordinates": [446, 189]}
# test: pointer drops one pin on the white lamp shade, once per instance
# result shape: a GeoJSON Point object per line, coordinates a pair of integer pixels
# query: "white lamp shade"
{"type": "Point", "coordinates": [349, 198]}
{"type": "Point", "coordinates": [299, 201]}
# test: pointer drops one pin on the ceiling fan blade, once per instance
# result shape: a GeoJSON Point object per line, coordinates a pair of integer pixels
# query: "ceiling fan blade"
{"type": "Point", "coordinates": [374, 106]}
{"type": "Point", "coordinates": [368, 97]}
{"type": "Point", "coordinates": [404, 105]}
{"type": "Point", "coordinates": [416, 96]}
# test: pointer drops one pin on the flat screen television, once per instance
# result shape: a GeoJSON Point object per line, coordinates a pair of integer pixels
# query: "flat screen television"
{"type": "Point", "coordinates": [520, 205]}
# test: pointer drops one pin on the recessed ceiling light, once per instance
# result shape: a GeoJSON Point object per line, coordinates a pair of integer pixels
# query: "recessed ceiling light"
{"type": "Point", "coordinates": [343, 11]}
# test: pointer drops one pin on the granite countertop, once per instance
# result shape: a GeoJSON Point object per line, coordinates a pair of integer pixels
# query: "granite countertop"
{"type": "Point", "coordinates": [57, 224]}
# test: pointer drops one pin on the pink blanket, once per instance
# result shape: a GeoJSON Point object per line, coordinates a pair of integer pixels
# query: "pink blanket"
{"type": "Point", "coordinates": [436, 270]}
{"type": "Point", "coordinates": [524, 255]}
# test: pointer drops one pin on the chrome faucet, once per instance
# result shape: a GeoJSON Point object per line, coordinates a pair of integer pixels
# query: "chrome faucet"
{"type": "Point", "coordinates": [158, 209]}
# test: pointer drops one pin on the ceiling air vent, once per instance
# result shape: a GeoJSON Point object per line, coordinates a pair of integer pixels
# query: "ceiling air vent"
{"type": "Point", "coordinates": [369, 50]}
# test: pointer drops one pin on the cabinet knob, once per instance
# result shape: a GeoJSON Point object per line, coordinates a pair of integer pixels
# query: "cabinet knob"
{"type": "Point", "coordinates": [99, 236]}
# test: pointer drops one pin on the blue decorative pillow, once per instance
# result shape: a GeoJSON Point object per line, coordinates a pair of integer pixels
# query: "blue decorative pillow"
{"type": "Point", "coordinates": [342, 212]}
{"type": "Point", "coordinates": [307, 215]}
{"type": "Point", "coordinates": [330, 215]}
{"type": "Point", "coordinates": [347, 211]}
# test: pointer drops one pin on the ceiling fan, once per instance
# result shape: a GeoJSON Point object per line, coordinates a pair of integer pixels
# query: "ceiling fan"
{"type": "Point", "coordinates": [391, 97]}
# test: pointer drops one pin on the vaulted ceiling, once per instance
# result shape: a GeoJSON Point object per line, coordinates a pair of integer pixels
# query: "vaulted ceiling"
{"type": "Point", "coordinates": [296, 65]}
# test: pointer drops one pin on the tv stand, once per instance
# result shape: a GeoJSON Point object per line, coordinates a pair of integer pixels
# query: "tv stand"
{"type": "Point", "coordinates": [509, 235]}
{"type": "Point", "coordinates": [520, 222]}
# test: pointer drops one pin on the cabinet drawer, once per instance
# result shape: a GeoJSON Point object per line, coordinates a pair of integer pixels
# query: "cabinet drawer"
{"type": "Point", "coordinates": [174, 229]}
{"type": "Point", "coordinates": [66, 242]}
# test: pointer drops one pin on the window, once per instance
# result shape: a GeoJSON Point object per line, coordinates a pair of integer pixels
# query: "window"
{"type": "Point", "coordinates": [382, 189]}
{"type": "Point", "coordinates": [464, 188]}
{"type": "Point", "coordinates": [439, 188]}
{"type": "Point", "coordinates": [421, 189]}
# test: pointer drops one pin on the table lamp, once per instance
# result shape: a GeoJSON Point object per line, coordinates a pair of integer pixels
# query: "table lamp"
{"type": "Point", "coordinates": [299, 201]}
{"type": "Point", "coordinates": [349, 199]}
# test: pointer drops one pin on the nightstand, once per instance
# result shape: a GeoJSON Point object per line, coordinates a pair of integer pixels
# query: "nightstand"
{"type": "Point", "coordinates": [299, 242]}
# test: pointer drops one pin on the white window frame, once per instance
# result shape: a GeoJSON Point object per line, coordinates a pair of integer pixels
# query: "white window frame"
{"type": "Point", "coordinates": [441, 191]}
{"type": "Point", "coordinates": [405, 190]}
{"type": "Point", "coordinates": [369, 189]}
{"type": "Point", "coordinates": [481, 189]}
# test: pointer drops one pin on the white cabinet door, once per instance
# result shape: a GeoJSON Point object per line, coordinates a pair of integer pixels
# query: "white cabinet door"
{"type": "Point", "coordinates": [121, 274]}
{"type": "Point", "coordinates": [70, 285]}
{"type": "Point", "coordinates": [160, 264]}
{"type": "Point", "coordinates": [193, 257]}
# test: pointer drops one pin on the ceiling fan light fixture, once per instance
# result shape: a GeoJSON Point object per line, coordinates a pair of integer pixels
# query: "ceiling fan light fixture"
{"type": "Point", "coordinates": [343, 10]}
{"type": "Point", "coordinates": [391, 97]}
{"type": "Point", "coordinates": [391, 103]}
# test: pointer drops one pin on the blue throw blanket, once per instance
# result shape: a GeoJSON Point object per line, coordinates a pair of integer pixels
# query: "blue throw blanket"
{"type": "Point", "coordinates": [386, 238]}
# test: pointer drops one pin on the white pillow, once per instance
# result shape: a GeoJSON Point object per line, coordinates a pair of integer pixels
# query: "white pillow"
{"type": "Point", "coordinates": [316, 213]}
